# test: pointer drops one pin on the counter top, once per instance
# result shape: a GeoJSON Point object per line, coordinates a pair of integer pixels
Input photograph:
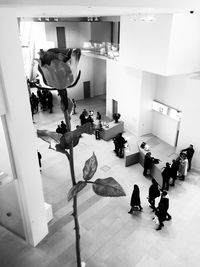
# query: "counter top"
{"type": "Point", "coordinates": [94, 54]}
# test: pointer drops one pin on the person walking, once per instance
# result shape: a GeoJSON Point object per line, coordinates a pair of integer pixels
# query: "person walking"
{"type": "Point", "coordinates": [135, 199]}
{"type": "Point", "coordinates": [161, 211]}
{"type": "Point", "coordinates": [154, 192]}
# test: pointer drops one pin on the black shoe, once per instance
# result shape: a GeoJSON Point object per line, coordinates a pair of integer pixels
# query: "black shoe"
{"type": "Point", "coordinates": [159, 228]}
{"type": "Point", "coordinates": [130, 212]}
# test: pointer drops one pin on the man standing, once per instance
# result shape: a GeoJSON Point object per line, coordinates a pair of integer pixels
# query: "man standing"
{"type": "Point", "coordinates": [166, 173]}
{"type": "Point", "coordinates": [147, 163]}
{"type": "Point", "coordinates": [189, 153]}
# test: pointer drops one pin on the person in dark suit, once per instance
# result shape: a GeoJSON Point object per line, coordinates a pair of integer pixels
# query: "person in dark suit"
{"type": "Point", "coordinates": [63, 126]}
{"type": "Point", "coordinates": [189, 153]}
{"type": "Point", "coordinates": [135, 199]}
{"type": "Point", "coordinates": [154, 192]}
{"type": "Point", "coordinates": [49, 101]}
{"type": "Point", "coordinates": [147, 163]}
{"type": "Point", "coordinates": [166, 174]}
{"type": "Point", "coordinates": [39, 159]}
{"type": "Point", "coordinates": [173, 171]}
{"type": "Point", "coordinates": [161, 211]}
{"type": "Point", "coordinates": [120, 145]}
{"type": "Point", "coordinates": [83, 116]}
{"type": "Point", "coordinates": [59, 130]}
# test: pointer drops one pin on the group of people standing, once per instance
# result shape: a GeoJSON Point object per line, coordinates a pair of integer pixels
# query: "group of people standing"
{"type": "Point", "coordinates": [89, 117]}
{"type": "Point", "coordinates": [86, 117]}
{"type": "Point", "coordinates": [176, 170]}
{"type": "Point", "coordinates": [44, 98]}
{"type": "Point", "coordinates": [161, 211]}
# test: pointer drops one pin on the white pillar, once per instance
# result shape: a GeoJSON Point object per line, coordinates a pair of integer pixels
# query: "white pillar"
{"type": "Point", "coordinates": [21, 129]}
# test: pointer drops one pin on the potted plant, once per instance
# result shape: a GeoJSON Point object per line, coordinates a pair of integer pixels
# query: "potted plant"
{"type": "Point", "coordinates": [116, 117]}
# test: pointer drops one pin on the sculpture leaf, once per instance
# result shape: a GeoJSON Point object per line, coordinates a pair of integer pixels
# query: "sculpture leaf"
{"type": "Point", "coordinates": [74, 136]}
{"type": "Point", "coordinates": [90, 167]}
{"type": "Point", "coordinates": [108, 187]}
{"type": "Point", "coordinates": [49, 136]}
{"type": "Point", "coordinates": [75, 189]}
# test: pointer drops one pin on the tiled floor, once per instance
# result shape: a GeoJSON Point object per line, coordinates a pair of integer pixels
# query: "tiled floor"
{"type": "Point", "coordinates": [110, 237]}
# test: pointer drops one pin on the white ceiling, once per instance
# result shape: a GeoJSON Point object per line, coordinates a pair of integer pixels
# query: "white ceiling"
{"type": "Point", "coordinates": [70, 8]}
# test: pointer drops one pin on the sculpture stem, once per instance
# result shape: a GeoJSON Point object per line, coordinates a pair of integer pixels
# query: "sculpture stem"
{"type": "Point", "coordinates": [75, 212]}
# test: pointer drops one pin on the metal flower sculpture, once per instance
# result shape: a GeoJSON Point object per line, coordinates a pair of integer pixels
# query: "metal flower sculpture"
{"type": "Point", "coordinates": [58, 68]}
{"type": "Point", "coordinates": [59, 71]}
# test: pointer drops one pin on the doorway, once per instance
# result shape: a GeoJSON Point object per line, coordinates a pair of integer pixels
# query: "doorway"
{"type": "Point", "coordinates": [86, 89]}
{"type": "Point", "coordinates": [61, 40]}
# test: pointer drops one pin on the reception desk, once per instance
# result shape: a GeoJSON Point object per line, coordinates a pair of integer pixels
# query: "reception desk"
{"type": "Point", "coordinates": [131, 152]}
{"type": "Point", "coordinates": [158, 148]}
{"type": "Point", "coordinates": [111, 130]}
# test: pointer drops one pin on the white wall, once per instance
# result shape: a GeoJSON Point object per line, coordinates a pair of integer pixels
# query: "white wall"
{"type": "Point", "coordinates": [164, 127]}
{"type": "Point", "coordinates": [18, 118]}
{"type": "Point", "coordinates": [99, 76]}
{"type": "Point", "coordinates": [40, 36]}
{"type": "Point", "coordinates": [84, 32]}
{"type": "Point", "coordinates": [144, 45]}
{"type": "Point", "coordinates": [93, 70]}
{"type": "Point", "coordinates": [183, 93]}
{"type": "Point", "coordinates": [4, 158]}
{"type": "Point", "coordinates": [71, 33]}
{"type": "Point", "coordinates": [124, 86]}
{"type": "Point", "coordinates": [86, 65]}
{"type": "Point", "coordinates": [2, 97]}
{"type": "Point", "coordinates": [147, 97]}
{"type": "Point", "coordinates": [184, 52]}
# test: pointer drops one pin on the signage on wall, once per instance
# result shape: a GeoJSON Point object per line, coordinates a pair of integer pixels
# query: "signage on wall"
{"type": "Point", "coordinates": [160, 107]}
{"type": "Point", "coordinates": [166, 110]}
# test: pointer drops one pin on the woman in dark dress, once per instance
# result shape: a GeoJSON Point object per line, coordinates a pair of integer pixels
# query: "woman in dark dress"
{"type": "Point", "coordinates": [135, 199]}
